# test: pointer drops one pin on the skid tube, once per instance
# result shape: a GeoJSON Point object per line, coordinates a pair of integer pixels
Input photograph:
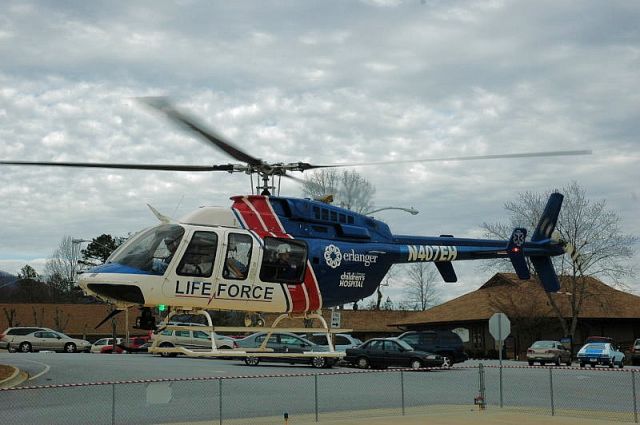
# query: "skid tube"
{"type": "Point", "coordinates": [248, 353]}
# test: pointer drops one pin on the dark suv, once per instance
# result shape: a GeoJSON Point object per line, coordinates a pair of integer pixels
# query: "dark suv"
{"type": "Point", "coordinates": [446, 343]}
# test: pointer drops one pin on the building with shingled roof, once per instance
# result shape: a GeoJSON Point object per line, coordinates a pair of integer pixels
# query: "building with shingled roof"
{"type": "Point", "coordinates": [605, 311]}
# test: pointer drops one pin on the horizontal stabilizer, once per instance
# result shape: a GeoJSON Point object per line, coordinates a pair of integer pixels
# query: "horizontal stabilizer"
{"type": "Point", "coordinates": [514, 249]}
{"type": "Point", "coordinates": [446, 271]}
{"type": "Point", "coordinates": [546, 273]}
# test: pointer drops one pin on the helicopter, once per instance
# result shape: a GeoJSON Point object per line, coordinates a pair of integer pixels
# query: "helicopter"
{"type": "Point", "coordinates": [287, 255]}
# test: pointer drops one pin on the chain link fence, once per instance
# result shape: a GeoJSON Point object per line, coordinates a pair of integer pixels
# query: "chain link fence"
{"type": "Point", "coordinates": [603, 394]}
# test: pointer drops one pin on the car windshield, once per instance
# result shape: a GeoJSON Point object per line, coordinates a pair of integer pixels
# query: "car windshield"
{"type": "Point", "coordinates": [596, 346]}
{"type": "Point", "coordinates": [542, 344]}
{"type": "Point", "coordinates": [404, 345]}
{"type": "Point", "coordinates": [148, 248]}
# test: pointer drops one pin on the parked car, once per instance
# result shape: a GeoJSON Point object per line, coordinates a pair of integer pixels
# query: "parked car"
{"type": "Point", "coordinates": [599, 339]}
{"type": "Point", "coordinates": [285, 342]}
{"type": "Point", "coordinates": [548, 352]}
{"type": "Point", "coordinates": [385, 352]}
{"type": "Point", "coordinates": [635, 352]}
{"type": "Point", "coordinates": [191, 339]}
{"type": "Point", "coordinates": [445, 343]}
{"type": "Point", "coordinates": [9, 333]}
{"type": "Point", "coordinates": [104, 345]}
{"type": "Point", "coordinates": [340, 342]}
{"type": "Point", "coordinates": [601, 353]}
{"type": "Point", "coordinates": [46, 339]}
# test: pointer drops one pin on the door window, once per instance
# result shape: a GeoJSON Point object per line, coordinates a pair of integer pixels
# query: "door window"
{"type": "Point", "coordinates": [291, 340]}
{"type": "Point", "coordinates": [183, 334]}
{"type": "Point", "coordinates": [198, 259]}
{"type": "Point", "coordinates": [284, 261]}
{"type": "Point", "coordinates": [201, 335]}
{"type": "Point", "coordinates": [236, 263]}
{"type": "Point", "coordinates": [340, 340]}
{"type": "Point", "coordinates": [391, 346]}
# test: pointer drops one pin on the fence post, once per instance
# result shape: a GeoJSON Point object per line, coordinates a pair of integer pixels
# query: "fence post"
{"type": "Point", "coordinates": [501, 385]}
{"type": "Point", "coordinates": [220, 399]}
{"type": "Point", "coordinates": [315, 382]}
{"type": "Point", "coordinates": [483, 398]}
{"type": "Point", "coordinates": [553, 412]}
{"type": "Point", "coordinates": [635, 403]}
{"type": "Point", "coordinates": [113, 404]}
{"type": "Point", "coordinates": [402, 389]}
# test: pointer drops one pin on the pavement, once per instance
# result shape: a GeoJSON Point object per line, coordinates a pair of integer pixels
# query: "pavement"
{"type": "Point", "coordinates": [11, 376]}
{"type": "Point", "coordinates": [434, 415]}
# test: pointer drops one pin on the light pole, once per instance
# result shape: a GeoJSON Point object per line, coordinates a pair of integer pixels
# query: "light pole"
{"type": "Point", "coordinates": [410, 210]}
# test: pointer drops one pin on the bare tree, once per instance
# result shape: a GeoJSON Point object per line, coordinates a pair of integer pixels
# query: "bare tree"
{"type": "Point", "coordinates": [421, 290]}
{"type": "Point", "coordinates": [589, 226]}
{"type": "Point", "coordinates": [349, 188]}
{"type": "Point", "coordinates": [322, 182]}
{"type": "Point", "coordinates": [356, 192]}
{"type": "Point", "coordinates": [64, 263]}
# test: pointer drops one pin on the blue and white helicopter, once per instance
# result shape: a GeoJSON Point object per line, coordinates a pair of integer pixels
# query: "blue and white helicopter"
{"type": "Point", "coordinates": [284, 255]}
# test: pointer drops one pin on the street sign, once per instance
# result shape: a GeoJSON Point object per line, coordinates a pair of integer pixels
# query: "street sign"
{"type": "Point", "coordinates": [499, 326]}
{"type": "Point", "coordinates": [335, 319]}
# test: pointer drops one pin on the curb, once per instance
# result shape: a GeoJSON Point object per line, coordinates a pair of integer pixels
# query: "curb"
{"type": "Point", "coordinates": [16, 378]}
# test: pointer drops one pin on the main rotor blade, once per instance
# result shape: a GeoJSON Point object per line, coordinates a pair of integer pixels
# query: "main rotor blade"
{"type": "Point", "coordinates": [157, 167]}
{"type": "Point", "coordinates": [459, 158]}
{"type": "Point", "coordinates": [163, 105]}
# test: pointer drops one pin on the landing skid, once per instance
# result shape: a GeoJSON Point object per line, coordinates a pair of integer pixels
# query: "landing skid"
{"type": "Point", "coordinates": [252, 356]}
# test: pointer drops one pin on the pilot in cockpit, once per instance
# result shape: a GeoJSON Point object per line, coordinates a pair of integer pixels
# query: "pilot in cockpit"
{"type": "Point", "coordinates": [160, 264]}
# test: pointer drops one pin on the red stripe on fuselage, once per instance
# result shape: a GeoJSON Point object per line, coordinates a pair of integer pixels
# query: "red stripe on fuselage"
{"type": "Point", "coordinates": [305, 297]}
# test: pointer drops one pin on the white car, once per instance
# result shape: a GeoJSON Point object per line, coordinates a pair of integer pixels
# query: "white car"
{"type": "Point", "coordinates": [97, 346]}
{"type": "Point", "coordinates": [600, 353]}
{"type": "Point", "coordinates": [340, 343]}
{"type": "Point", "coordinates": [190, 339]}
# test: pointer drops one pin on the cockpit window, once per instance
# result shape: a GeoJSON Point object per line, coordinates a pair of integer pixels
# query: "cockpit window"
{"type": "Point", "coordinates": [200, 255]}
{"type": "Point", "coordinates": [152, 250]}
{"type": "Point", "coordinates": [284, 261]}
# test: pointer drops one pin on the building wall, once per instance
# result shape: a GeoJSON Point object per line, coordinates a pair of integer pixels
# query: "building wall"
{"type": "Point", "coordinates": [79, 320]}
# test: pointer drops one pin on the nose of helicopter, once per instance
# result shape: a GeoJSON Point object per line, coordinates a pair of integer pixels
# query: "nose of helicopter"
{"type": "Point", "coordinates": [111, 287]}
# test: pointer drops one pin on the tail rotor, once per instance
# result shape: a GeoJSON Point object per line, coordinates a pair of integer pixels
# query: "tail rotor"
{"type": "Point", "coordinates": [576, 258]}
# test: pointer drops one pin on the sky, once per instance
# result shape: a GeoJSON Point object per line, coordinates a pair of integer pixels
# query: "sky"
{"type": "Point", "coordinates": [323, 82]}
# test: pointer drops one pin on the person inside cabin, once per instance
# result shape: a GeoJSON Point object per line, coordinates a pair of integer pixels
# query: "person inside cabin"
{"type": "Point", "coordinates": [238, 252]}
{"type": "Point", "coordinates": [160, 264]}
{"type": "Point", "coordinates": [285, 270]}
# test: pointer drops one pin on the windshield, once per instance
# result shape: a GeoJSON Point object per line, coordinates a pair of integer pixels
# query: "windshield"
{"type": "Point", "coordinates": [404, 345]}
{"type": "Point", "coordinates": [150, 251]}
{"type": "Point", "coordinates": [542, 344]}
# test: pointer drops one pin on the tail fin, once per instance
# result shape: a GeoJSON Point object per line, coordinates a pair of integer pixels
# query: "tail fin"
{"type": "Point", "coordinates": [546, 226]}
{"type": "Point", "coordinates": [547, 223]}
{"type": "Point", "coordinates": [516, 255]}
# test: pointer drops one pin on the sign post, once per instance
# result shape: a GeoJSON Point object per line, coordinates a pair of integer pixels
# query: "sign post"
{"type": "Point", "coordinates": [500, 328]}
{"type": "Point", "coordinates": [335, 319]}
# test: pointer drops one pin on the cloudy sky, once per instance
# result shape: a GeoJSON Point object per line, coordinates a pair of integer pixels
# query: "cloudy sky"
{"type": "Point", "coordinates": [317, 81]}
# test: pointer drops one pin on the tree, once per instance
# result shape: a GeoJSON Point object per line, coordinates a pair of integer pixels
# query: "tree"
{"type": "Point", "coordinates": [64, 263]}
{"type": "Point", "coordinates": [421, 286]}
{"type": "Point", "coordinates": [29, 286]}
{"type": "Point", "coordinates": [589, 226]}
{"type": "Point", "coordinates": [349, 188]}
{"type": "Point", "coordinates": [100, 248]}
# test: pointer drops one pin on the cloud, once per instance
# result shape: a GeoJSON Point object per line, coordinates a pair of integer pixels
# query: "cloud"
{"type": "Point", "coordinates": [338, 82]}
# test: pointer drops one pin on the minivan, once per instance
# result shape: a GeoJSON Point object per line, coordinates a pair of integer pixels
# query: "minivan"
{"type": "Point", "coordinates": [446, 343]}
